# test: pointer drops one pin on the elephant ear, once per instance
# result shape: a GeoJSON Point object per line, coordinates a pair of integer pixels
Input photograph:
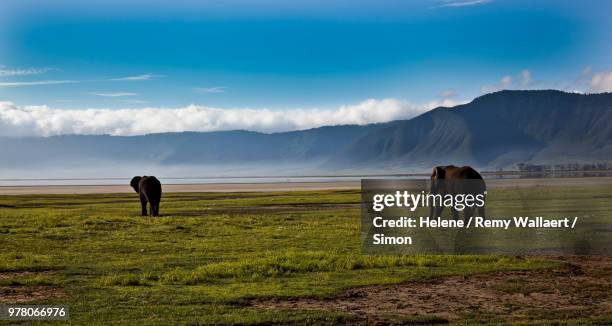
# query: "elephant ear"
{"type": "Point", "coordinates": [438, 173]}
{"type": "Point", "coordinates": [135, 183]}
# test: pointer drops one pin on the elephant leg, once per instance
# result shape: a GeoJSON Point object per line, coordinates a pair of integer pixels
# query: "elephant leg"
{"type": "Point", "coordinates": [155, 208]}
{"type": "Point", "coordinates": [143, 206]}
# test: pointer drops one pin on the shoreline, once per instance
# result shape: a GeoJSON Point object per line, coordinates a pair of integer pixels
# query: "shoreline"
{"type": "Point", "coordinates": [192, 187]}
{"type": "Point", "coordinates": [279, 186]}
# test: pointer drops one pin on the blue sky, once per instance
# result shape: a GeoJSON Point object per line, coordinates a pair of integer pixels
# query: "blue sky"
{"type": "Point", "coordinates": [283, 55]}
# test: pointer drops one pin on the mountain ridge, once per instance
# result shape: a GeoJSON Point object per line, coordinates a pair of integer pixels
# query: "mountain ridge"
{"type": "Point", "coordinates": [494, 130]}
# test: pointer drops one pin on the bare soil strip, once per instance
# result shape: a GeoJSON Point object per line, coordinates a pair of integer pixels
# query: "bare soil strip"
{"type": "Point", "coordinates": [26, 293]}
{"type": "Point", "coordinates": [582, 287]}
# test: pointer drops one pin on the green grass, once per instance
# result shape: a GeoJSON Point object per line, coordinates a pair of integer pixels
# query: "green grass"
{"type": "Point", "coordinates": [205, 256]}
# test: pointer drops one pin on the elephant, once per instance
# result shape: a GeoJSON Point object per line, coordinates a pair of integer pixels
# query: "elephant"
{"type": "Point", "coordinates": [150, 190]}
{"type": "Point", "coordinates": [450, 179]}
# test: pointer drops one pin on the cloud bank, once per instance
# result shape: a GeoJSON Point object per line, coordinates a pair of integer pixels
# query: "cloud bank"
{"type": "Point", "coordinates": [19, 121]}
{"type": "Point", "coordinates": [601, 82]}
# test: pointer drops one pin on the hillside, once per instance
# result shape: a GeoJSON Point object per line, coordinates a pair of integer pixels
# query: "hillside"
{"type": "Point", "coordinates": [494, 130]}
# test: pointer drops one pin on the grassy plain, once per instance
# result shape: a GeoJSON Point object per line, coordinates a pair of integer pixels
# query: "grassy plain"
{"type": "Point", "coordinates": [207, 258]}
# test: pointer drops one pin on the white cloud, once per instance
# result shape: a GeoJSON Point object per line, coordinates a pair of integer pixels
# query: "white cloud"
{"type": "Point", "coordinates": [208, 90]}
{"type": "Point", "coordinates": [525, 80]}
{"type": "Point", "coordinates": [442, 102]}
{"type": "Point", "coordinates": [37, 83]}
{"type": "Point", "coordinates": [138, 77]}
{"type": "Point", "coordinates": [503, 83]}
{"type": "Point", "coordinates": [461, 3]}
{"type": "Point", "coordinates": [45, 121]}
{"type": "Point", "coordinates": [117, 94]}
{"type": "Point", "coordinates": [587, 71]}
{"type": "Point", "coordinates": [56, 82]}
{"type": "Point", "coordinates": [601, 82]}
{"type": "Point", "coordinates": [506, 81]}
{"type": "Point", "coordinates": [4, 72]}
{"type": "Point", "coordinates": [446, 98]}
{"type": "Point", "coordinates": [580, 84]}
{"type": "Point", "coordinates": [448, 93]}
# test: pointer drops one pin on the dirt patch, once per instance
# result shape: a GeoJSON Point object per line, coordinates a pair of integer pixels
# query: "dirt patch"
{"type": "Point", "coordinates": [26, 293]}
{"type": "Point", "coordinates": [269, 209]}
{"type": "Point", "coordinates": [22, 294]}
{"type": "Point", "coordinates": [582, 287]}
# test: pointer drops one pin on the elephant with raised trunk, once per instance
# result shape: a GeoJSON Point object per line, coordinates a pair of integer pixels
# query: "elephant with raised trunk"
{"type": "Point", "coordinates": [455, 180]}
{"type": "Point", "coordinates": [150, 190]}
